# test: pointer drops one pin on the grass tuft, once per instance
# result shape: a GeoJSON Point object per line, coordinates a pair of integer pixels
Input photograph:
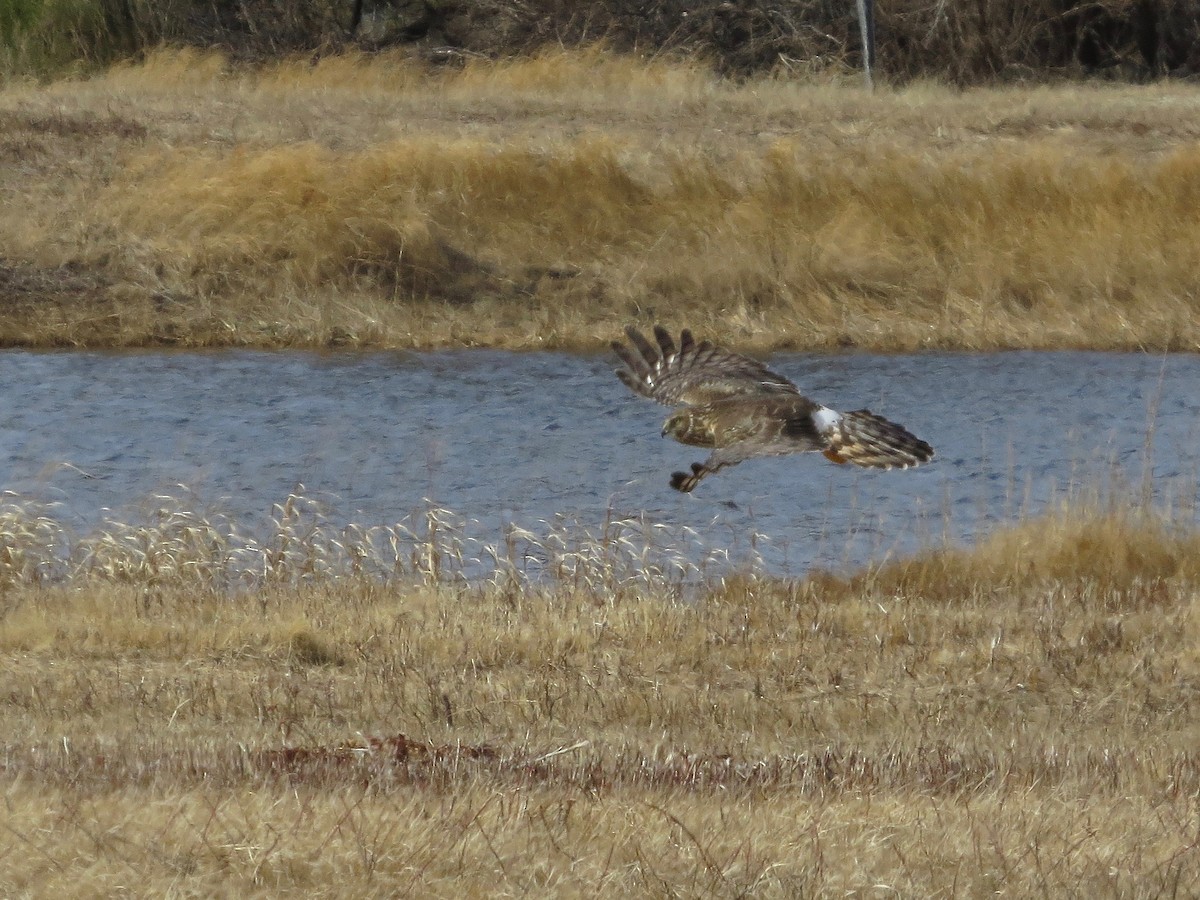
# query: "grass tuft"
{"type": "Point", "coordinates": [1126, 558]}
{"type": "Point", "coordinates": [310, 649]}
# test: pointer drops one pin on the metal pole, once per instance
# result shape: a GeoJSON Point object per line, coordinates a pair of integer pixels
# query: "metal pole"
{"type": "Point", "coordinates": [866, 26]}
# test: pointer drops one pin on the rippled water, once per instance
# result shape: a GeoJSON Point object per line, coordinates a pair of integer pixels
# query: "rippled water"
{"type": "Point", "coordinates": [502, 437]}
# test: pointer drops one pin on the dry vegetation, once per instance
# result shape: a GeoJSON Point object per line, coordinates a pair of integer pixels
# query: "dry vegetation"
{"type": "Point", "coordinates": [369, 201]}
{"type": "Point", "coordinates": [186, 711]}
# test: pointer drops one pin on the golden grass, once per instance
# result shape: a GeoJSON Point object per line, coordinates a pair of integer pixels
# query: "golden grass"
{"type": "Point", "coordinates": [547, 201]}
{"type": "Point", "coordinates": [1018, 717]}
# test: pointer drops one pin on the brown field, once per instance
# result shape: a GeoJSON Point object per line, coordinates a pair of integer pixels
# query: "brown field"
{"type": "Point", "coordinates": [368, 201]}
{"type": "Point", "coordinates": [1016, 718]}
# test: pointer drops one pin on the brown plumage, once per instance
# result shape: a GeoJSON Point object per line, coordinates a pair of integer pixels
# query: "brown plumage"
{"type": "Point", "coordinates": [741, 409]}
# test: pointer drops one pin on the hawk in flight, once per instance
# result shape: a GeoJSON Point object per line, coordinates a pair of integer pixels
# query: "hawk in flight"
{"type": "Point", "coordinates": [741, 409]}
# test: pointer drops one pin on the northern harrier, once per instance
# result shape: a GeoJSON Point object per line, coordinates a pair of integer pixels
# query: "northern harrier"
{"type": "Point", "coordinates": [741, 409]}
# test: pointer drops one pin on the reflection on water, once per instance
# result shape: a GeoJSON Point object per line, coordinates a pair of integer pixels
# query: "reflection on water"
{"type": "Point", "coordinates": [502, 437]}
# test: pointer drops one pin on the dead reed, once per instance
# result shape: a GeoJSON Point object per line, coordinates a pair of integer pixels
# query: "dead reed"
{"type": "Point", "coordinates": [545, 202]}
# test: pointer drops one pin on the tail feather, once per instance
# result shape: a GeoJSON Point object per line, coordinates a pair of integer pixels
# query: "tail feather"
{"type": "Point", "coordinates": [865, 439]}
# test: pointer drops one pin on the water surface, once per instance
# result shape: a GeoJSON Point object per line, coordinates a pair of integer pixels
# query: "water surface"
{"type": "Point", "coordinates": [503, 437]}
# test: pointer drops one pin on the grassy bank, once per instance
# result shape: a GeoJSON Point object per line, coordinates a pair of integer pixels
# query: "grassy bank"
{"type": "Point", "coordinates": [1017, 717]}
{"type": "Point", "coordinates": [546, 202]}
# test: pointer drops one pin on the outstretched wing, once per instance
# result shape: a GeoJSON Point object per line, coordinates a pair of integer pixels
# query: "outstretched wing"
{"type": "Point", "coordinates": [694, 373]}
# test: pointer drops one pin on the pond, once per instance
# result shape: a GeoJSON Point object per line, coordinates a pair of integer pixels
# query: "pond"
{"type": "Point", "coordinates": [502, 437]}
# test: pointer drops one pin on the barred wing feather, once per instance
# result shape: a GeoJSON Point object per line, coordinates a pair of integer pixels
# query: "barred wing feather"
{"type": "Point", "coordinates": [691, 374]}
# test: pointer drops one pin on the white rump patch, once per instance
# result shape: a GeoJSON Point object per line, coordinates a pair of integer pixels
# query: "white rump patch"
{"type": "Point", "coordinates": [826, 419]}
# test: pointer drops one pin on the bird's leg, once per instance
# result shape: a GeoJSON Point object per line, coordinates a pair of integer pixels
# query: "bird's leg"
{"type": "Point", "coordinates": [717, 460]}
{"type": "Point", "coordinates": [682, 481]}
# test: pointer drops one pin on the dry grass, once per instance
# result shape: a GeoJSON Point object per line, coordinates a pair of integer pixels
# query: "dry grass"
{"type": "Point", "coordinates": [545, 202]}
{"type": "Point", "coordinates": [1015, 718]}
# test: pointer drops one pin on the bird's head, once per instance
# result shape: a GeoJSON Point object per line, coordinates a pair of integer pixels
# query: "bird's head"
{"type": "Point", "coordinates": [688, 428]}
